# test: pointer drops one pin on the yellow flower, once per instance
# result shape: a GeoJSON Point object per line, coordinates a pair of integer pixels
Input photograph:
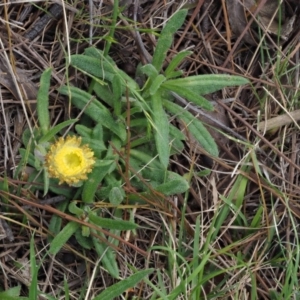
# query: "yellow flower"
{"type": "Point", "coordinates": [68, 161]}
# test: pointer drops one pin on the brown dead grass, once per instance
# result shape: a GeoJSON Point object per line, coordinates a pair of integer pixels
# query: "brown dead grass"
{"type": "Point", "coordinates": [207, 33]}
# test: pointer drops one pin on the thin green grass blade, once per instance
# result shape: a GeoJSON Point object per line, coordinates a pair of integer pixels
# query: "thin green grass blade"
{"type": "Point", "coordinates": [120, 287]}
{"type": "Point", "coordinates": [113, 26]}
{"type": "Point", "coordinates": [195, 261]}
{"type": "Point", "coordinates": [66, 289]}
{"type": "Point", "coordinates": [224, 211]}
{"type": "Point", "coordinates": [256, 221]}
{"type": "Point", "coordinates": [33, 288]}
{"type": "Point", "coordinates": [240, 217]}
{"type": "Point", "coordinates": [159, 288]}
{"type": "Point", "coordinates": [182, 286]}
{"type": "Point", "coordinates": [239, 200]}
{"type": "Point", "coordinates": [253, 286]}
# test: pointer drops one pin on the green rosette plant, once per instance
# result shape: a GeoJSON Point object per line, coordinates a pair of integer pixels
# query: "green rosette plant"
{"type": "Point", "coordinates": [123, 144]}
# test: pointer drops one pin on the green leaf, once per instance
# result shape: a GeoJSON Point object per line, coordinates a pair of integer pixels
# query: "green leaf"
{"type": "Point", "coordinates": [56, 129]}
{"type": "Point", "coordinates": [117, 93]}
{"type": "Point", "coordinates": [27, 137]}
{"type": "Point", "coordinates": [95, 110]}
{"type": "Point", "coordinates": [205, 84]}
{"type": "Point", "coordinates": [85, 242]}
{"type": "Point", "coordinates": [118, 288]}
{"type": "Point", "coordinates": [188, 94]}
{"type": "Point", "coordinates": [118, 214]}
{"type": "Point", "coordinates": [175, 184]}
{"type": "Point", "coordinates": [58, 190]}
{"type": "Point", "coordinates": [195, 127]}
{"type": "Point", "coordinates": [99, 54]}
{"type": "Point", "coordinates": [175, 74]}
{"type": "Point", "coordinates": [104, 93]}
{"type": "Point", "coordinates": [91, 185]}
{"type": "Point", "coordinates": [150, 71]}
{"type": "Point", "coordinates": [97, 136]}
{"type": "Point", "coordinates": [111, 223]}
{"type": "Point", "coordinates": [108, 257]}
{"type": "Point", "coordinates": [146, 159]}
{"type": "Point", "coordinates": [177, 146]}
{"type": "Point", "coordinates": [93, 66]}
{"type": "Point", "coordinates": [4, 187]}
{"type": "Point", "coordinates": [97, 146]}
{"type": "Point", "coordinates": [12, 293]}
{"type": "Point", "coordinates": [116, 195]}
{"type": "Point", "coordinates": [170, 71]}
{"type": "Point", "coordinates": [43, 101]}
{"type": "Point", "coordinates": [176, 133]}
{"type": "Point", "coordinates": [161, 133]}
{"type": "Point", "coordinates": [74, 209]}
{"type": "Point", "coordinates": [202, 173]}
{"type": "Point", "coordinates": [56, 221]}
{"type": "Point", "coordinates": [85, 231]}
{"type": "Point", "coordinates": [46, 182]}
{"type": "Point", "coordinates": [28, 157]}
{"type": "Point", "coordinates": [60, 240]}
{"type": "Point", "coordinates": [166, 38]}
{"type": "Point", "coordinates": [156, 84]}
{"type": "Point", "coordinates": [83, 131]}
{"type": "Point", "coordinates": [107, 63]}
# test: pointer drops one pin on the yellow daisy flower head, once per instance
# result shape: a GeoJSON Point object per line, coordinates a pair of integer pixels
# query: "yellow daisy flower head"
{"type": "Point", "coordinates": [69, 161]}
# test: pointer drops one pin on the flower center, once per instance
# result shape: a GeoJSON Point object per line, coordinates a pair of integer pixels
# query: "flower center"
{"type": "Point", "coordinates": [72, 160]}
{"type": "Point", "coordinates": [69, 161]}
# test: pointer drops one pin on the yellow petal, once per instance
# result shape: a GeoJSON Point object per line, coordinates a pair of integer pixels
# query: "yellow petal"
{"type": "Point", "coordinates": [69, 161]}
